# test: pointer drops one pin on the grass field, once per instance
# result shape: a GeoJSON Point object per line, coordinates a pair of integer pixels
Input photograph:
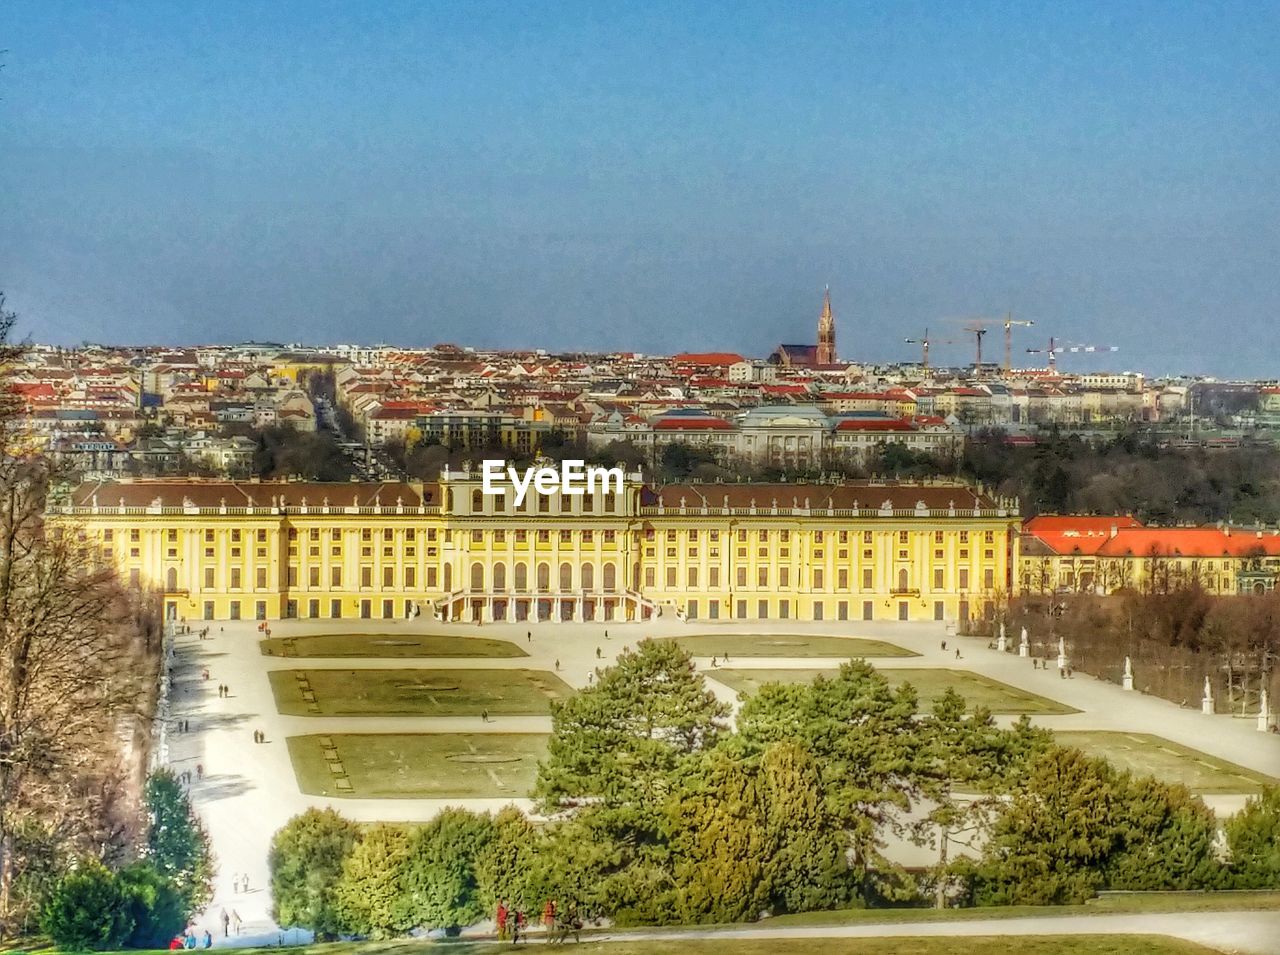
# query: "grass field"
{"type": "Point", "coordinates": [388, 645]}
{"type": "Point", "coordinates": [1148, 755]}
{"type": "Point", "coordinates": [784, 645]}
{"type": "Point", "coordinates": [417, 765]}
{"type": "Point", "coordinates": [341, 692]}
{"type": "Point", "coordinates": [929, 683]}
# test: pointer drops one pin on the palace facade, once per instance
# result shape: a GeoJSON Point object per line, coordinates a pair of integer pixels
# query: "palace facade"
{"type": "Point", "coordinates": [226, 550]}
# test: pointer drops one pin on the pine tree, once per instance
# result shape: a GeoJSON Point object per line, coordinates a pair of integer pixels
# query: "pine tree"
{"type": "Point", "coordinates": [630, 739]}
{"type": "Point", "coordinates": [1253, 840]}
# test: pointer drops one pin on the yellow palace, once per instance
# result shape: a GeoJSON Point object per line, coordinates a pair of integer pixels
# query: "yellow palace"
{"type": "Point", "coordinates": [226, 550]}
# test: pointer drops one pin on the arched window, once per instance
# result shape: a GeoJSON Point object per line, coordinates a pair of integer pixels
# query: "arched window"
{"type": "Point", "coordinates": [171, 579]}
{"type": "Point", "coordinates": [499, 577]}
{"type": "Point", "coordinates": [902, 579]}
{"type": "Point", "coordinates": [477, 577]}
{"type": "Point", "coordinates": [610, 578]}
{"type": "Point", "coordinates": [588, 576]}
{"type": "Point", "coordinates": [522, 577]}
{"type": "Point", "coordinates": [544, 577]}
{"type": "Point", "coordinates": [477, 501]}
{"type": "Point", "coordinates": [566, 576]}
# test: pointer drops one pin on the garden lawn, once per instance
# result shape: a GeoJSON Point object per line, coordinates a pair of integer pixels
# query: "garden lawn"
{"type": "Point", "coordinates": [1147, 755]}
{"type": "Point", "coordinates": [929, 683]}
{"type": "Point", "coordinates": [388, 645]}
{"type": "Point", "coordinates": [421, 692]}
{"type": "Point", "coordinates": [417, 765]}
{"type": "Point", "coordinates": [786, 645]}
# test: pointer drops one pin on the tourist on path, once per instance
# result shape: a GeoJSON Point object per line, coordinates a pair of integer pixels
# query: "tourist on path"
{"type": "Point", "coordinates": [226, 923]}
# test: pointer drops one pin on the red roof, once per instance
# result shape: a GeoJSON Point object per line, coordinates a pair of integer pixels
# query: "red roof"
{"type": "Point", "coordinates": [1189, 542]}
{"type": "Point", "coordinates": [875, 424]}
{"type": "Point", "coordinates": [1072, 533]}
{"type": "Point", "coordinates": [691, 423]}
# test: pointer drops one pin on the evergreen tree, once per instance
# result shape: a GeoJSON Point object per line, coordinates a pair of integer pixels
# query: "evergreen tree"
{"type": "Point", "coordinates": [177, 844]}
{"type": "Point", "coordinates": [157, 908]}
{"type": "Point", "coordinates": [306, 860]}
{"type": "Point", "coordinates": [1167, 839]}
{"type": "Point", "coordinates": [506, 867]}
{"type": "Point", "coordinates": [1253, 840]}
{"type": "Point", "coordinates": [88, 911]}
{"type": "Point", "coordinates": [441, 882]}
{"type": "Point", "coordinates": [807, 871]}
{"type": "Point", "coordinates": [631, 738]}
{"type": "Point", "coordinates": [720, 843]}
{"type": "Point", "coordinates": [370, 895]}
{"type": "Point", "coordinates": [968, 751]}
{"type": "Point", "coordinates": [862, 734]}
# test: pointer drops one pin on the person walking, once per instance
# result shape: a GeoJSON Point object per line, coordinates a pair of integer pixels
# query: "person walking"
{"type": "Point", "coordinates": [236, 920]}
{"type": "Point", "coordinates": [226, 923]}
{"type": "Point", "coordinates": [500, 919]}
{"type": "Point", "coordinates": [957, 653]}
{"type": "Point", "coordinates": [208, 939]}
{"type": "Point", "coordinates": [484, 716]}
{"type": "Point", "coordinates": [599, 655]}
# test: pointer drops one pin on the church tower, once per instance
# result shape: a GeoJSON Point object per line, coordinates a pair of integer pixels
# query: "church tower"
{"type": "Point", "coordinates": [826, 332]}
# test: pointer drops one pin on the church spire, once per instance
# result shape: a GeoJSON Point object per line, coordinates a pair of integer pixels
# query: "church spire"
{"type": "Point", "coordinates": [826, 331]}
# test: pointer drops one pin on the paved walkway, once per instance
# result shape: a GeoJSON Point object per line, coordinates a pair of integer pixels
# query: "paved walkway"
{"type": "Point", "coordinates": [248, 790]}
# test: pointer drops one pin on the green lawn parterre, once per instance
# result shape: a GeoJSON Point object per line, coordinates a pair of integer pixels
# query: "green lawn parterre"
{"type": "Point", "coordinates": [417, 765]}
{"type": "Point", "coordinates": [392, 645]}
{"type": "Point", "coordinates": [1147, 755]}
{"type": "Point", "coordinates": [930, 683]}
{"type": "Point", "coordinates": [786, 645]}
{"type": "Point", "coordinates": [416, 692]}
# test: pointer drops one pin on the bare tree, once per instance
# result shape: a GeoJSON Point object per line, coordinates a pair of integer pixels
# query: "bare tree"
{"type": "Point", "coordinates": [72, 674]}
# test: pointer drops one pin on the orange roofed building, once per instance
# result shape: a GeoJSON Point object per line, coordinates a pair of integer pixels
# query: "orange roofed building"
{"type": "Point", "coordinates": [1103, 554]}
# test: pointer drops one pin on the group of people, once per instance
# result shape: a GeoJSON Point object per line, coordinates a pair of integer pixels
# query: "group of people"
{"type": "Point", "coordinates": [224, 691]}
{"type": "Point", "coordinates": [559, 923]}
{"type": "Point", "coordinates": [259, 736]}
{"type": "Point", "coordinates": [188, 939]}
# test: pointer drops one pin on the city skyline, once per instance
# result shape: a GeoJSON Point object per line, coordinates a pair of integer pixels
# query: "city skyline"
{"type": "Point", "coordinates": [650, 180]}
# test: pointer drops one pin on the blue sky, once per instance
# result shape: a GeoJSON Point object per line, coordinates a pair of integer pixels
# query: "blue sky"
{"type": "Point", "coordinates": [655, 177]}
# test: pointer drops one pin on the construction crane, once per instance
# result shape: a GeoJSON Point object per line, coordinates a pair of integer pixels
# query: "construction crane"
{"type": "Point", "coordinates": [1057, 348]}
{"type": "Point", "coordinates": [925, 342]}
{"type": "Point", "coordinates": [1009, 322]}
{"type": "Point", "coordinates": [977, 330]}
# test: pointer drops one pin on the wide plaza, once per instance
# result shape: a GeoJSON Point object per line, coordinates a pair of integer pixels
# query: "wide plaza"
{"type": "Point", "coordinates": [392, 721]}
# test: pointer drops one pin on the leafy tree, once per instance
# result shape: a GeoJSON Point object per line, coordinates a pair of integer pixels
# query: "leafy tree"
{"type": "Point", "coordinates": [442, 888]}
{"type": "Point", "coordinates": [305, 860]}
{"type": "Point", "coordinates": [177, 844]}
{"type": "Point", "coordinates": [720, 843]}
{"type": "Point", "coordinates": [1253, 840]}
{"type": "Point", "coordinates": [862, 734]}
{"type": "Point", "coordinates": [88, 911]}
{"type": "Point", "coordinates": [73, 666]}
{"type": "Point", "coordinates": [631, 738]}
{"type": "Point", "coordinates": [370, 894]}
{"type": "Point", "coordinates": [156, 907]}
